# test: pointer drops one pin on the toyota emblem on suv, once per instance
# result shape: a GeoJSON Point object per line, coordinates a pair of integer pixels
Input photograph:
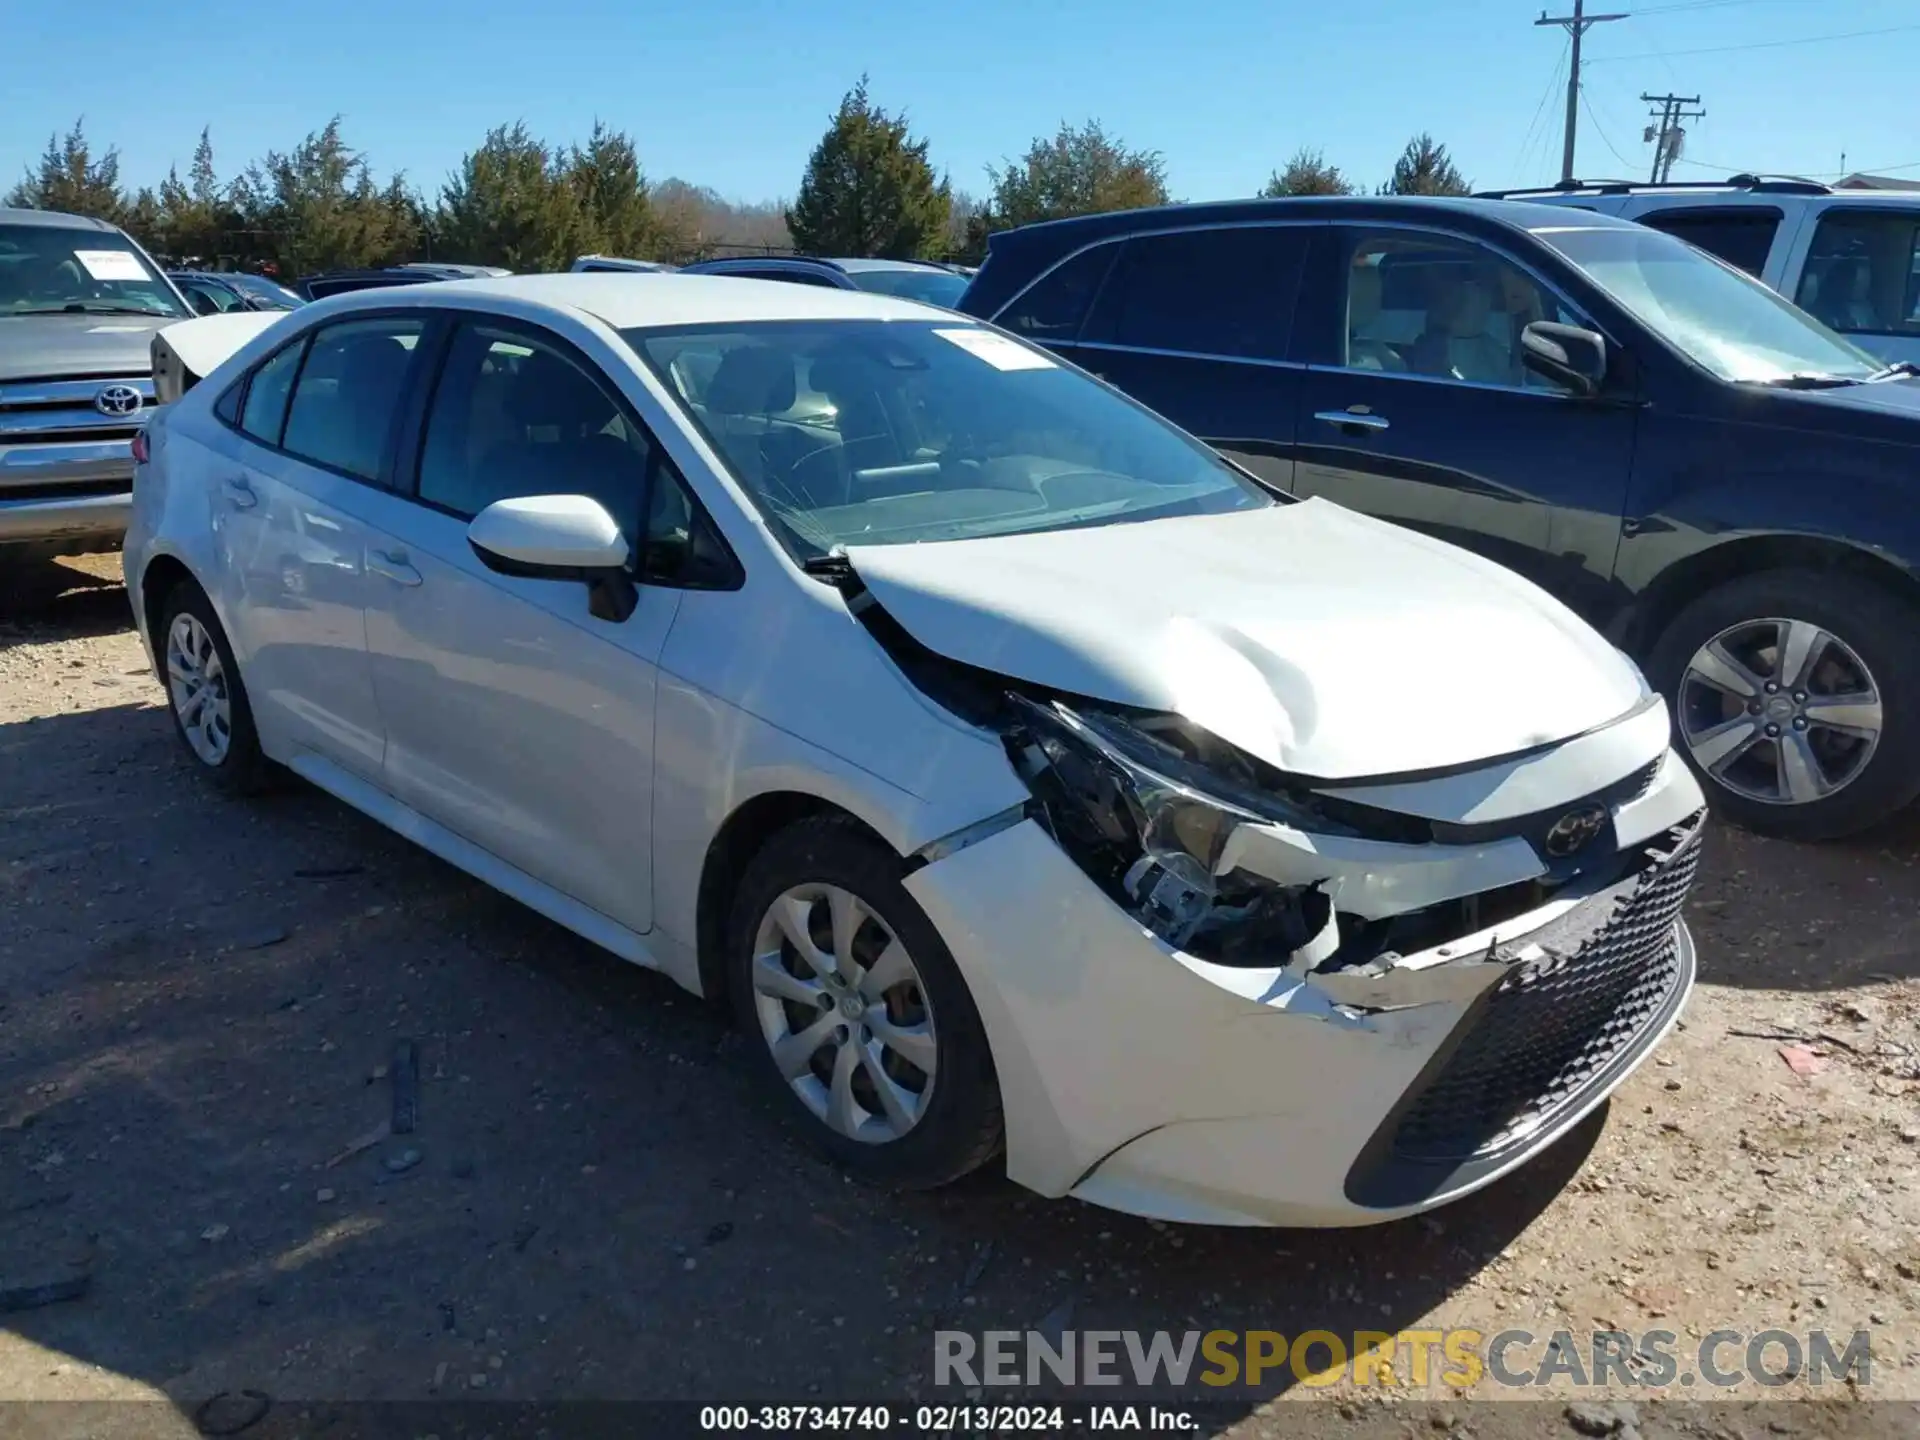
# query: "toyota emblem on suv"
{"type": "Point", "coordinates": [117, 400]}
{"type": "Point", "coordinates": [1574, 829]}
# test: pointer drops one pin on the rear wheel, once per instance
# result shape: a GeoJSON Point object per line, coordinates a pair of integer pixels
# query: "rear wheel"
{"type": "Point", "coordinates": [205, 694]}
{"type": "Point", "coordinates": [1796, 699]}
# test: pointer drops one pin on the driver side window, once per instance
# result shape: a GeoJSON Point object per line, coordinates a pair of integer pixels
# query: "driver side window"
{"type": "Point", "coordinates": [515, 415]}
{"type": "Point", "coordinates": [1442, 308]}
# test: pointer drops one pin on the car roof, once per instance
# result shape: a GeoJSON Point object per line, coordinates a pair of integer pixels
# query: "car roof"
{"type": "Point", "coordinates": [851, 266]}
{"type": "Point", "coordinates": [629, 301]}
{"type": "Point", "coordinates": [1514, 214]}
{"type": "Point", "coordinates": [761, 262]}
{"type": "Point", "coordinates": [55, 220]}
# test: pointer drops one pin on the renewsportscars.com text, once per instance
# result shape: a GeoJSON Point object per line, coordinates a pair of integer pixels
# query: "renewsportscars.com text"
{"type": "Point", "coordinates": [1454, 1359]}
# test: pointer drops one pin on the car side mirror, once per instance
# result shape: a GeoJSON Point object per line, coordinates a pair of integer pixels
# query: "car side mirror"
{"type": "Point", "coordinates": [559, 537]}
{"type": "Point", "coordinates": [1566, 355]}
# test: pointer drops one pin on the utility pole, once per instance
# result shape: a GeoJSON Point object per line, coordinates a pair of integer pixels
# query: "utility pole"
{"type": "Point", "coordinates": [1576, 25]}
{"type": "Point", "coordinates": [1667, 134]}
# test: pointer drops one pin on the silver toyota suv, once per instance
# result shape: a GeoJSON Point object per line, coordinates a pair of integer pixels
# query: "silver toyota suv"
{"type": "Point", "coordinates": [79, 304]}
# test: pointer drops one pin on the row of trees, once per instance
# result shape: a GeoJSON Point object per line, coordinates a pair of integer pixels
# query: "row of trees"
{"type": "Point", "coordinates": [869, 188]}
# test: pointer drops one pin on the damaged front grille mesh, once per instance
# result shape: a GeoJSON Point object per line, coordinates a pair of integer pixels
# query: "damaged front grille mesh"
{"type": "Point", "coordinates": [1553, 1025]}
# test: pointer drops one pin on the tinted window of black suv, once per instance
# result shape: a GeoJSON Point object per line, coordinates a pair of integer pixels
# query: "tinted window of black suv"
{"type": "Point", "coordinates": [1736, 514]}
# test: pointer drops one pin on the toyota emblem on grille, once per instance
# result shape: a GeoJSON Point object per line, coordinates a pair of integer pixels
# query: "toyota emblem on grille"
{"type": "Point", "coordinates": [1573, 830]}
{"type": "Point", "coordinates": [117, 400]}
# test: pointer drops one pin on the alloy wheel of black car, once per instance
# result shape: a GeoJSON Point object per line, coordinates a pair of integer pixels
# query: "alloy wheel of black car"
{"type": "Point", "coordinates": [1796, 700]}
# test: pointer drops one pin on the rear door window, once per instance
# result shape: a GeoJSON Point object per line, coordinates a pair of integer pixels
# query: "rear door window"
{"type": "Point", "coordinates": [1741, 236]}
{"type": "Point", "coordinates": [1862, 272]}
{"type": "Point", "coordinates": [1221, 292]}
{"type": "Point", "coordinates": [349, 392]}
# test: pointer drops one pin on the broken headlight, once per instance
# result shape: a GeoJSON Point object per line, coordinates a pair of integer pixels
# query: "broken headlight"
{"type": "Point", "coordinates": [1146, 811]}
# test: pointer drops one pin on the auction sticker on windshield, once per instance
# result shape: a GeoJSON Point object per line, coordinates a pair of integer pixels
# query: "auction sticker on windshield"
{"type": "Point", "coordinates": [997, 350]}
{"type": "Point", "coordinates": [111, 264]}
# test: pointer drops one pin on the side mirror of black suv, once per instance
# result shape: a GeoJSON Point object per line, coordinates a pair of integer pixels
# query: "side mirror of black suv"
{"type": "Point", "coordinates": [1565, 354]}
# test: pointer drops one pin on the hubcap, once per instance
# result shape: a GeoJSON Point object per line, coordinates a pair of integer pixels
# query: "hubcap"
{"type": "Point", "coordinates": [1780, 711]}
{"type": "Point", "coordinates": [845, 1013]}
{"type": "Point", "coordinates": [198, 683]}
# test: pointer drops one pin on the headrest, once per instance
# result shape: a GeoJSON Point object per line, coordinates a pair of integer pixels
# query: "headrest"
{"type": "Point", "coordinates": [752, 380]}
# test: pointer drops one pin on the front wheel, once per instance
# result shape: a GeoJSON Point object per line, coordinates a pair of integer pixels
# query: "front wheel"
{"type": "Point", "coordinates": [1796, 700]}
{"type": "Point", "coordinates": [858, 1015]}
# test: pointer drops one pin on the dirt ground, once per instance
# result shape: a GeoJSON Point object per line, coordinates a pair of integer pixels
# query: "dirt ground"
{"type": "Point", "coordinates": [201, 1000]}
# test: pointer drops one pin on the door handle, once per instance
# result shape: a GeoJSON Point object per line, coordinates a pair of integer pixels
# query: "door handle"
{"type": "Point", "coordinates": [393, 565]}
{"type": "Point", "coordinates": [240, 494]}
{"type": "Point", "coordinates": [1352, 419]}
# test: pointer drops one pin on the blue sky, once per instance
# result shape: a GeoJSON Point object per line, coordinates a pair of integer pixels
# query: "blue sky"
{"type": "Point", "coordinates": [733, 93]}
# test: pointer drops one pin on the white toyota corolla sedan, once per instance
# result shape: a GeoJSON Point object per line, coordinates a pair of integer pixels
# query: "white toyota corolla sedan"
{"type": "Point", "coordinates": [1029, 780]}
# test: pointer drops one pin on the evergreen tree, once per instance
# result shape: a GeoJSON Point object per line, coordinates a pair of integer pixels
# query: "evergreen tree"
{"type": "Point", "coordinates": [69, 178]}
{"type": "Point", "coordinates": [868, 189]}
{"type": "Point", "coordinates": [318, 208]}
{"type": "Point", "coordinates": [1081, 171]}
{"type": "Point", "coordinates": [1307, 173]}
{"type": "Point", "coordinates": [1424, 168]}
{"type": "Point", "coordinates": [611, 194]}
{"type": "Point", "coordinates": [513, 202]}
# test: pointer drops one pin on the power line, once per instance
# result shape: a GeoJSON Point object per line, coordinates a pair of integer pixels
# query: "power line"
{"type": "Point", "coordinates": [1696, 5]}
{"type": "Point", "coordinates": [1758, 45]}
{"type": "Point", "coordinates": [1576, 25]}
{"type": "Point", "coordinates": [1601, 131]}
{"type": "Point", "coordinates": [1533, 126]}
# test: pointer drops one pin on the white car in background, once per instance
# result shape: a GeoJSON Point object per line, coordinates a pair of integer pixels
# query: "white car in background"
{"type": "Point", "coordinates": [1026, 777]}
{"type": "Point", "coordinates": [1848, 257]}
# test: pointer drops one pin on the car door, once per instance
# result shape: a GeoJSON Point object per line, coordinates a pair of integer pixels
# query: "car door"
{"type": "Point", "coordinates": [1415, 407]}
{"type": "Point", "coordinates": [1194, 324]}
{"type": "Point", "coordinates": [313, 424]}
{"type": "Point", "coordinates": [514, 717]}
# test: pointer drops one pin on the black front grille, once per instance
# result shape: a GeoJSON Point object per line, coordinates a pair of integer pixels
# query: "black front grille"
{"type": "Point", "coordinates": [1555, 1023]}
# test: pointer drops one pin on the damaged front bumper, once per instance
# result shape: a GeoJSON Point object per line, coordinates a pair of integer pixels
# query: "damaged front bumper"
{"type": "Point", "coordinates": [1140, 1075]}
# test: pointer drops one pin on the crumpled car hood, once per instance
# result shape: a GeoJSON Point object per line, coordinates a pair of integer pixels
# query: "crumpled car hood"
{"type": "Point", "coordinates": [1324, 642]}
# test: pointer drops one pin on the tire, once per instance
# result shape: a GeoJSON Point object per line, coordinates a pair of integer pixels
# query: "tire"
{"type": "Point", "coordinates": [237, 764]}
{"type": "Point", "coordinates": [1857, 778]}
{"type": "Point", "coordinates": [955, 1122]}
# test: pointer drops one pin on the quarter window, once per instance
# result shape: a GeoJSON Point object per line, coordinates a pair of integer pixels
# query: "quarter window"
{"type": "Point", "coordinates": [1741, 237]}
{"type": "Point", "coordinates": [1862, 274]}
{"type": "Point", "coordinates": [349, 393]}
{"type": "Point", "coordinates": [266, 408]}
{"type": "Point", "coordinates": [1205, 292]}
{"type": "Point", "coordinates": [513, 415]}
{"type": "Point", "coordinates": [1053, 307]}
{"type": "Point", "coordinates": [1444, 308]}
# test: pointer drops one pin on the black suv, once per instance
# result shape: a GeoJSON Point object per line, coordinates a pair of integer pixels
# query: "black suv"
{"type": "Point", "coordinates": [1712, 477]}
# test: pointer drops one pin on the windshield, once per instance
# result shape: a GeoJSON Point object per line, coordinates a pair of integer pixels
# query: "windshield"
{"type": "Point", "coordinates": [54, 269]}
{"type": "Point", "coordinates": [865, 432]}
{"type": "Point", "coordinates": [935, 287]}
{"type": "Point", "coordinates": [1722, 319]}
{"type": "Point", "coordinates": [265, 290]}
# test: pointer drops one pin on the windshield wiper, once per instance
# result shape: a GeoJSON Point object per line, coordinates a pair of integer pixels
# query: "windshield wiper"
{"type": "Point", "coordinates": [833, 566]}
{"type": "Point", "coordinates": [1898, 370]}
{"type": "Point", "coordinates": [92, 307]}
{"type": "Point", "coordinates": [1808, 380]}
